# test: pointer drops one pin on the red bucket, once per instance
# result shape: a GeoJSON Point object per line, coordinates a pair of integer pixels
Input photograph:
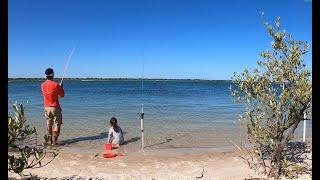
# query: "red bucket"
{"type": "Point", "coordinates": [108, 146]}
{"type": "Point", "coordinates": [109, 155]}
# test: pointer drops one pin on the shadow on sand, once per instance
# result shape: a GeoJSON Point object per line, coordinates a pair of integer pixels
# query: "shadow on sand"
{"type": "Point", "coordinates": [103, 135]}
{"type": "Point", "coordinates": [166, 141]}
{"type": "Point", "coordinates": [131, 140]}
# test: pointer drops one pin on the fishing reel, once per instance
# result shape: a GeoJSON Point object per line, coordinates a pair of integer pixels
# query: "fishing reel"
{"type": "Point", "coordinates": [141, 115]}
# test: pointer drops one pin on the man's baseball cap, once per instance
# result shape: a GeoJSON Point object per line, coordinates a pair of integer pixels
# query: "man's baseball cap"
{"type": "Point", "coordinates": [49, 72]}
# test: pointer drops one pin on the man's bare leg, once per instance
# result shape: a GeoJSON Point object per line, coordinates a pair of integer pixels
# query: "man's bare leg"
{"type": "Point", "coordinates": [49, 131]}
{"type": "Point", "coordinates": [56, 133]}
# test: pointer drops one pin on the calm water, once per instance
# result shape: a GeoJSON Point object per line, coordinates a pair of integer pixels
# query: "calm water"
{"type": "Point", "coordinates": [178, 114]}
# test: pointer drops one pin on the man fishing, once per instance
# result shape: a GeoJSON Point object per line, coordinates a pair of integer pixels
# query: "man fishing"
{"type": "Point", "coordinates": [51, 92]}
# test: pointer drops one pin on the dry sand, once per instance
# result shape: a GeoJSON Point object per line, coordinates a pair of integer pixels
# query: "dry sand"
{"type": "Point", "coordinates": [150, 164]}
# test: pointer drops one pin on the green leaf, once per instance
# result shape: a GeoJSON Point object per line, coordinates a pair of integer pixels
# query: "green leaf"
{"type": "Point", "coordinates": [37, 155]}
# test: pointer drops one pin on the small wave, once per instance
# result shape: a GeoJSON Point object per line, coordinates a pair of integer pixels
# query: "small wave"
{"type": "Point", "coordinates": [87, 80]}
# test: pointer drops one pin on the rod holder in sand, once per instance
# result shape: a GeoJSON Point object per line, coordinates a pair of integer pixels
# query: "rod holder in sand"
{"type": "Point", "coordinates": [304, 126]}
{"type": "Point", "coordinates": [142, 117]}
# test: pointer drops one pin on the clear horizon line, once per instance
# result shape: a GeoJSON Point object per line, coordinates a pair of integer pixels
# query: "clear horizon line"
{"type": "Point", "coordinates": [123, 78]}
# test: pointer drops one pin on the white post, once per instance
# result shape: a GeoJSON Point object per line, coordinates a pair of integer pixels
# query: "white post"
{"type": "Point", "coordinates": [142, 138]}
{"type": "Point", "coordinates": [304, 127]}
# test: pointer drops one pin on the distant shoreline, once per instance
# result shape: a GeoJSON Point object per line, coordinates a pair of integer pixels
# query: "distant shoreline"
{"type": "Point", "coordinates": [112, 79]}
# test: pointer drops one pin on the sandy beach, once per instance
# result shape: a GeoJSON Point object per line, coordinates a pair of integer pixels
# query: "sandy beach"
{"type": "Point", "coordinates": [148, 164]}
{"type": "Point", "coordinates": [145, 165]}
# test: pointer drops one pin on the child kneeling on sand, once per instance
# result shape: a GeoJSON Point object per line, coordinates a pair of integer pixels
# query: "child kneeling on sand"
{"type": "Point", "coordinates": [115, 135]}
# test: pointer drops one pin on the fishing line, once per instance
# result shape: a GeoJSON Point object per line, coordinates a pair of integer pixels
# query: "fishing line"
{"type": "Point", "coordinates": [67, 65]}
{"type": "Point", "coordinates": [142, 80]}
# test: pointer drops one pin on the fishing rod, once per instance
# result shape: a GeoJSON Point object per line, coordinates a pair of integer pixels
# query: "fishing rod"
{"type": "Point", "coordinates": [67, 65]}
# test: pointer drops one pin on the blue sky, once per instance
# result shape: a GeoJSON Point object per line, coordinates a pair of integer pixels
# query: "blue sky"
{"type": "Point", "coordinates": [203, 39]}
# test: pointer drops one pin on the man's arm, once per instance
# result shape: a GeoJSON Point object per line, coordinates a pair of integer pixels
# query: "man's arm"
{"type": "Point", "coordinates": [60, 90]}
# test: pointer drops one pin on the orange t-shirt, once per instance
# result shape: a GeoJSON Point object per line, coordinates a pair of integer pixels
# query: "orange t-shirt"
{"type": "Point", "coordinates": [51, 92]}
